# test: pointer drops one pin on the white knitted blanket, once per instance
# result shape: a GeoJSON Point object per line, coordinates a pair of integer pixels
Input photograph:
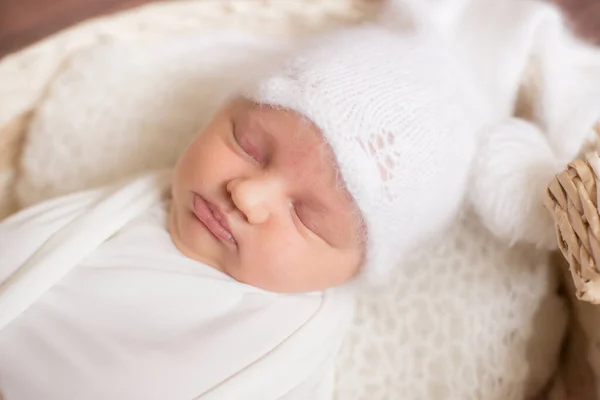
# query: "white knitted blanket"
{"type": "Point", "coordinates": [467, 318]}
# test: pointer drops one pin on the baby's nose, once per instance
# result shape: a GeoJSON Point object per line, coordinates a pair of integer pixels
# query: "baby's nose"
{"type": "Point", "coordinates": [254, 198]}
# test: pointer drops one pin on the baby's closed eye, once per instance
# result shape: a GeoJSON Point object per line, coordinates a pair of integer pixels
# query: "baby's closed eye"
{"type": "Point", "coordinates": [305, 217]}
{"type": "Point", "coordinates": [248, 144]}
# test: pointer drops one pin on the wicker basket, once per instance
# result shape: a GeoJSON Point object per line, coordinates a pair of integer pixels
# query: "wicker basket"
{"type": "Point", "coordinates": [572, 198]}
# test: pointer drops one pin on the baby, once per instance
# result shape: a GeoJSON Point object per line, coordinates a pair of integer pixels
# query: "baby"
{"type": "Point", "coordinates": [232, 277]}
{"type": "Point", "coordinates": [257, 196]}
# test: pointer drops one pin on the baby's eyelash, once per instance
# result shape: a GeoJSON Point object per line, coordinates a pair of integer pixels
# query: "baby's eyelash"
{"type": "Point", "coordinates": [305, 223]}
{"type": "Point", "coordinates": [238, 142]}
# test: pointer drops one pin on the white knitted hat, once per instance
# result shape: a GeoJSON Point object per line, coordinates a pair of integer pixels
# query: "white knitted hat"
{"type": "Point", "coordinates": [393, 109]}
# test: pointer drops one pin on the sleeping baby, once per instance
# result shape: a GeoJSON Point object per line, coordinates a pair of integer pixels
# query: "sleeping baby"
{"type": "Point", "coordinates": [233, 276]}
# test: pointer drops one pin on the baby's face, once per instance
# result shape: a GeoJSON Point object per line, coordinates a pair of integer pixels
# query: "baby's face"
{"type": "Point", "coordinates": [256, 196]}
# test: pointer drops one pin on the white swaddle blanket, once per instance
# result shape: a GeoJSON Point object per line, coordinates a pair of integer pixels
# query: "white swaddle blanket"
{"type": "Point", "coordinates": [97, 303]}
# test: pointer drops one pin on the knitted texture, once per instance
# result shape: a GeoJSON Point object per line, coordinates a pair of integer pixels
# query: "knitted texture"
{"type": "Point", "coordinates": [465, 318]}
{"type": "Point", "coordinates": [516, 156]}
{"type": "Point", "coordinates": [399, 118]}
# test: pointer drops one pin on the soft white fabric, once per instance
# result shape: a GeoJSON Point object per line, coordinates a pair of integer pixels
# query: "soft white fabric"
{"type": "Point", "coordinates": [503, 44]}
{"type": "Point", "coordinates": [25, 75]}
{"type": "Point", "coordinates": [192, 74]}
{"type": "Point", "coordinates": [401, 120]}
{"type": "Point", "coordinates": [454, 309]}
{"type": "Point", "coordinates": [97, 303]}
{"type": "Point", "coordinates": [464, 318]}
{"type": "Point", "coordinates": [402, 108]}
{"type": "Point", "coordinates": [516, 157]}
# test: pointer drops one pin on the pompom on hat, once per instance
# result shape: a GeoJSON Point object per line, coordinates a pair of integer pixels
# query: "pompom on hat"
{"type": "Point", "coordinates": [399, 118]}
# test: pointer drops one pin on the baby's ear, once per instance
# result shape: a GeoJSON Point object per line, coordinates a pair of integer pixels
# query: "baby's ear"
{"type": "Point", "coordinates": [511, 172]}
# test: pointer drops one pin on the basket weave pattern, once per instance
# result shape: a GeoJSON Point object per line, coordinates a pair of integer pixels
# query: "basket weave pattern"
{"type": "Point", "coordinates": [572, 198]}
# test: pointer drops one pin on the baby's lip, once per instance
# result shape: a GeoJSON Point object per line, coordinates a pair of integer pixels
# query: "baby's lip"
{"type": "Point", "coordinates": [213, 218]}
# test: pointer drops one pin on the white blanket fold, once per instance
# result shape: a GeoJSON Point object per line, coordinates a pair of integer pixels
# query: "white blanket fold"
{"type": "Point", "coordinates": [97, 303]}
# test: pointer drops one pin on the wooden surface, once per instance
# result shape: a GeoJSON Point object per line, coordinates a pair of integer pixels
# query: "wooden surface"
{"type": "Point", "coordinates": [23, 22]}
{"type": "Point", "coordinates": [585, 17]}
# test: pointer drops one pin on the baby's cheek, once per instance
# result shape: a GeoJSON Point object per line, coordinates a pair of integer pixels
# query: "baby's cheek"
{"type": "Point", "coordinates": [275, 256]}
